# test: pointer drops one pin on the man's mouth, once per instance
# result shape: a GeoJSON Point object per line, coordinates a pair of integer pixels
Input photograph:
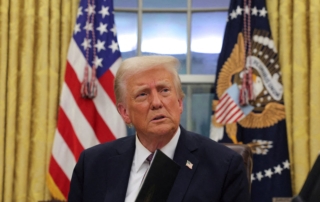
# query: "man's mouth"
{"type": "Point", "coordinates": [158, 117]}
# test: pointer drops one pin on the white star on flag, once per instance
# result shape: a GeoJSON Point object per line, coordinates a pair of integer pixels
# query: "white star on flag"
{"type": "Point", "coordinates": [268, 172]}
{"type": "Point", "coordinates": [239, 10]}
{"type": "Point", "coordinates": [286, 164]}
{"type": "Point", "coordinates": [233, 14]}
{"type": "Point", "coordinates": [100, 45]}
{"type": "Point", "coordinates": [278, 169]}
{"type": "Point", "coordinates": [259, 176]}
{"type": "Point", "coordinates": [79, 11]}
{"type": "Point", "coordinates": [88, 26]}
{"type": "Point", "coordinates": [104, 11]}
{"type": "Point", "coordinates": [263, 12]}
{"type": "Point", "coordinates": [254, 11]}
{"type": "Point", "coordinates": [86, 43]}
{"type": "Point", "coordinates": [252, 177]}
{"type": "Point", "coordinates": [77, 28]}
{"type": "Point", "coordinates": [114, 46]}
{"type": "Point", "coordinates": [91, 9]}
{"type": "Point", "coordinates": [98, 62]}
{"type": "Point", "coordinates": [102, 28]}
{"type": "Point", "coordinates": [114, 30]}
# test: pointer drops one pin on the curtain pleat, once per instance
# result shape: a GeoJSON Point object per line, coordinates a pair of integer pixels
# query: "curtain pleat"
{"type": "Point", "coordinates": [314, 109]}
{"type": "Point", "coordinates": [54, 78]}
{"type": "Point", "coordinates": [300, 74]}
{"type": "Point", "coordinates": [40, 103]}
{"type": "Point", "coordinates": [12, 103]}
{"type": "Point", "coordinates": [4, 19]}
{"type": "Point", "coordinates": [66, 30]}
{"type": "Point", "coordinates": [25, 94]}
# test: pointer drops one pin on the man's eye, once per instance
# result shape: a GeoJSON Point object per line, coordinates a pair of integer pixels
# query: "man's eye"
{"type": "Point", "coordinates": [142, 94]}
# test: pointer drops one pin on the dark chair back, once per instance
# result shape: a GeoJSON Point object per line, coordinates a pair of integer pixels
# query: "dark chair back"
{"type": "Point", "coordinates": [246, 154]}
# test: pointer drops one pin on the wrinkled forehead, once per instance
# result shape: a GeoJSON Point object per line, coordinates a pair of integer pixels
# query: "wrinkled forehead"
{"type": "Point", "coordinates": [158, 67]}
{"type": "Point", "coordinates": [154, 72]}
{"type": "Point", "coordinates": [155, 76]}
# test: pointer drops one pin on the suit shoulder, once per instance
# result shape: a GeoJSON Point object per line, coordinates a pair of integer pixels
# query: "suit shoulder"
{"type": "Point", "coordinates": [109, 147]}
{"type": "Point", "coordinates": [211, 147]}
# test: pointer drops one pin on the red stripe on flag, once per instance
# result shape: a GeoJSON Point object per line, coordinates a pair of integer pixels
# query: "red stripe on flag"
{"type": "Point", "coordinates": [234, 114]}
{"type": "Point", "coordinates": [227, 112]}
{"type": "Point", "coordinates": [240, 115]}
{"type": "Point", "coordinates": [224, 107]}
{"type": "Point", "coordinates": [106, 81]}
{"type": "Point", "coordinates": [59, 177]}
{"type": "Point", "coordinates": [66, 131]}
{"type": "Point", "coordinates": [87, 107]}
{"type": "Point", "coordinates": [225, 104]}
{"type": "Point", "coordinates": [222, 102]}
{"type": "Point", "coordinates": [231, 109]}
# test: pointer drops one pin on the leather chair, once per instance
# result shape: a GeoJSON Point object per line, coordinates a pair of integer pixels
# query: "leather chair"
{"type": "Point", "coordinates": [246, 154]}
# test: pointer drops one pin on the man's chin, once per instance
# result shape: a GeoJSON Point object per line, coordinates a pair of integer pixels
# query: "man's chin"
{"type": "Point", "coordinates": [163, 130]}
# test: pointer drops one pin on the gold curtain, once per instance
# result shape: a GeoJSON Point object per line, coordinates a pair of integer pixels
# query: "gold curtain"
{"type": "Point", "coordinates": [34, 39]}
{"type": "Point", "coordinates": [295, 26]}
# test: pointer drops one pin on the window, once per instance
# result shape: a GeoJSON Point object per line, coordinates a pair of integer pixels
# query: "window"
{"type": "Point", "coordinates": [191, 31]}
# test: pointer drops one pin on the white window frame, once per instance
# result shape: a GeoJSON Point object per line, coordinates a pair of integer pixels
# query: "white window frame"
{"type": "Point", "coordinates": [185, 78]}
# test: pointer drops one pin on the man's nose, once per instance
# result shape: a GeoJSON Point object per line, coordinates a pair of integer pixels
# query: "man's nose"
{"type": "Point", "coordinates": [156, 101]}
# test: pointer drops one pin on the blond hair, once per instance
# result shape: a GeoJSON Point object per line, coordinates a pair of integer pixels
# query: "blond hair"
{"type": "Point", "coordinates": [134, 65]}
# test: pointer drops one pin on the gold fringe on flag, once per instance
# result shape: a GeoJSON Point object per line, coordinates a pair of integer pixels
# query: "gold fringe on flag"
{"type": "Point", "coordinates": [54, 190]}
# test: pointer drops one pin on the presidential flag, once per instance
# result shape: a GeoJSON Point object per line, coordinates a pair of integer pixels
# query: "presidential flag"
{"type": "Point", "coordinates": [87, 111]}
{"type": "Point", "coordinates": [249, 60]}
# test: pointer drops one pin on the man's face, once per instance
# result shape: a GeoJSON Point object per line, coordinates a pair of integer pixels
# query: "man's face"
{"type": "Point", "coordinates": [152, 104]}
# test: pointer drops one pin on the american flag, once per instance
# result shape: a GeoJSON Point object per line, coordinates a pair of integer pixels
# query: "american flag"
{"type": "Point", "coordinates": [228, 109]}
{"type": "Point", "coordinates": [83, 123]}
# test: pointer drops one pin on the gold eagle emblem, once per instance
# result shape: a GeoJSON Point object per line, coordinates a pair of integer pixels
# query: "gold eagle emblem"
{"type": "Point", "coordinates": [267, 84]}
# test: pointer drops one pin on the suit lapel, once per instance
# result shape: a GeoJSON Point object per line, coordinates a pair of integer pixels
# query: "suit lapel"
{"type": "Point", "coordinates": [183, 153]}
{"type": "Point", "coordinates": [118, 171]}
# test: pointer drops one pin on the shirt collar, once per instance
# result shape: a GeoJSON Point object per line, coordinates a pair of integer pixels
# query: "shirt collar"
{"type": "Point", "coordinates": [141, 153]}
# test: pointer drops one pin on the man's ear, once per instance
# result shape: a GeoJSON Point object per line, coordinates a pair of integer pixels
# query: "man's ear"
{"type": "Point", "coordinates": [180, 105]}
{"type": "Point", "coordinates": [123, 111]}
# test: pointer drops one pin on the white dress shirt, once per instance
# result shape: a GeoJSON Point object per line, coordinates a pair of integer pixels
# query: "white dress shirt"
{"type": "Point", "coordinates": [140, 165]}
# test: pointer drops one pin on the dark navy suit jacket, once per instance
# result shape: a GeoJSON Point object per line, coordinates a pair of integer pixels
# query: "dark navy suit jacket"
{"type": "Point", "coordinates": [218, 173]}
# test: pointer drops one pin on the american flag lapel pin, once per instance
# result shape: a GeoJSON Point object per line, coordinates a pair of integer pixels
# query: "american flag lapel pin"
{"type": "Point", "coordinates": [189, 164]}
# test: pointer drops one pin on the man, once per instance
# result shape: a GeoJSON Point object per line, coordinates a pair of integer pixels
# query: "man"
{"type": "Point", "coordinates": [149, 97]}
